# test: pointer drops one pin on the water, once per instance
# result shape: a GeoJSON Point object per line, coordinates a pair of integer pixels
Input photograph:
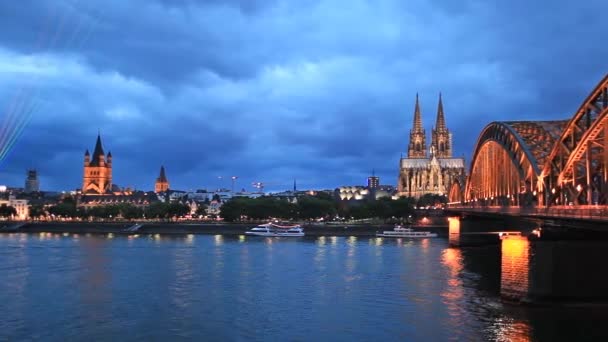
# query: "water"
{"type": "Point", "coordinates": [57, 287]}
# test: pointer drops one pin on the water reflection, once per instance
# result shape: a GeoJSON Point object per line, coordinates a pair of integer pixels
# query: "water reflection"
{"type": "Point", "coordinates": [451, 258]}
{"type": "Point", "coordinates": [226, 288]}
{"type": "Point", "coordinates": [95, 278]}
{"type": "Point", "coordinates": [514, 267]}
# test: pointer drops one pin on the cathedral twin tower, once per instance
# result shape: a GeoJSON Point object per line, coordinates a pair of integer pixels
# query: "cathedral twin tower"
{"type": "Point", "coordinates": [424, 173]}
{"type": "Point", "coordinates": [441, 143]}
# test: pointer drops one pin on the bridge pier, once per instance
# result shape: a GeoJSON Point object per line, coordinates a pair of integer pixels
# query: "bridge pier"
{"type": "Point", "coordinates": [534, 270]}
{"type": "Point", "coordinates": [479, 232]}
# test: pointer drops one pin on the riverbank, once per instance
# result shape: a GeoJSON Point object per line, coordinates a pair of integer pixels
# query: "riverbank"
{"type": "Point", "coordinates": [194, 228]}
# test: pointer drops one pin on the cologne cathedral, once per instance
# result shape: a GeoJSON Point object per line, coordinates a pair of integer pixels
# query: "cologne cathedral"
{"type": "Point", "coordinates": [429, 170]}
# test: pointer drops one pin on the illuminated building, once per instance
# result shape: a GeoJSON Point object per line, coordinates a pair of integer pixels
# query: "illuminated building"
{"type": "Point", "coordinates": [97, 178]}
{"type": "Point", "coordinates": [421, 174]}
{"type": "Point", "coordinates": [162, 184]}
{"type": "Point", "coordinates": [21, 207]}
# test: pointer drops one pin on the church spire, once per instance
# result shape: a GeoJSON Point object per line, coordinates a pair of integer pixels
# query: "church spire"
{"type": "Point", "coordinates": [98, 147]}
{"type": "Point", "coordinates": [441, 137]}
{"type": "Point", "coordinates": [162, 177]}
{"type": "Point", "coordinates": [162, 183]}
{"type": "Point", "coordinates": [440, 123]}
{"type": "Point", "coordinates": [417, 146]}
{"type": "Point", "coordinates": [417, 117]}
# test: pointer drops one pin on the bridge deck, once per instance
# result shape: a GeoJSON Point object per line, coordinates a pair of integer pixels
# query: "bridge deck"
{"type": "Point", "coordinates": [595, 213]}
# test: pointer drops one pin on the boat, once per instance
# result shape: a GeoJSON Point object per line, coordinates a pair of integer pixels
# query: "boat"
{"type": "Point", "coordinates": [403, 232]}
{"type": "Point", "coordinates": [271, 230]}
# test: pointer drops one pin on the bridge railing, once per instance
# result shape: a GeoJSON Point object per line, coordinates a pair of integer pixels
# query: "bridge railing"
{"type": "Point", "coordinates": [580, 212]}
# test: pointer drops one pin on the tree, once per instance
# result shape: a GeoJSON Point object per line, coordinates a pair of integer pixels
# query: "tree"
{"type": "Point", "coordinates": [156, 210]}
{"type": "Point", "coordinates": [7, 211]}
{"type": "Point", "coordinates": [233, 210]}
{"type": "Point", "coordinates": [431, 200]}
{"type": "Point", "coordinates": [311, 208]}
{"type": "Point", "coordinates": [177, 209]}
{"type": "Point", "coordinates": [37, 210]}
{"type": "Point", "coordinates": [201, 210]}
{"type": "Point", "coordinates": [65, 209]}
{"type": "Point", "coordinates": [402, 207]}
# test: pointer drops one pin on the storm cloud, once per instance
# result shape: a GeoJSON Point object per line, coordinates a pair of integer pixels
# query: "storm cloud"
{"type": "Point", "coordinates": [317, 90]}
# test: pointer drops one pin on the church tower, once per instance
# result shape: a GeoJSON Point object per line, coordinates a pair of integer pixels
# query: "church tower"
{"type": "Point", "coordinates": [442, 138]}
{"type": "Point", "coordinates": [97, 178]}
{"type": "Point", "coordinates": [162, 184]}
{"type": "Point", "coordinates": [417, 146]}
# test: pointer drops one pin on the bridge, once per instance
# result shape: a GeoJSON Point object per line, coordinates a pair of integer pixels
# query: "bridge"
{"type": "Point", "coordinates": [556, 173]}
{"type": "Point", "coordinates": [554, 165]}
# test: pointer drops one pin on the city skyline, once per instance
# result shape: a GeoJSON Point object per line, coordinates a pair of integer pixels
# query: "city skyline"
{"type": "Point", "coordinates": [324, 108]}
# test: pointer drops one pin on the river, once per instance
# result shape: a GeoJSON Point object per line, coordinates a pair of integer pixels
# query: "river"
{"type": "Point", "coordinates": [206, 287]}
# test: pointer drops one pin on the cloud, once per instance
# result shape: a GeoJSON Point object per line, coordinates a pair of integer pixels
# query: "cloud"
{"type": "Point", "coordinates": [318, 90]}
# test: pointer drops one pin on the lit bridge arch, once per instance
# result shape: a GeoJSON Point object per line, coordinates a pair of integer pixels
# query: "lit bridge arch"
{"type": "Point", "coordinates": [576, 170]}
{"type": "Point", "coordinates": [507, 161]}
{"type": "Point", "coordinates": [562, 162]}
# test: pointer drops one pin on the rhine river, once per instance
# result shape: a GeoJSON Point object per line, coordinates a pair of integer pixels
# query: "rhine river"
{"type": "Point", "coordinates": [205, 287]}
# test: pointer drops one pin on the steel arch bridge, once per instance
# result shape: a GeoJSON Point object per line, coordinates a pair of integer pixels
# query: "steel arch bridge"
{"type": "Point", "coordinates": [525, 163]}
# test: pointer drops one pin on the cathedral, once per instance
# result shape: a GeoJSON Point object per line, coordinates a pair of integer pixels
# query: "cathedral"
{"type": "Point", "coordinates": [429, 170]}
{"type": "Point", "coordinates": [97, 179]}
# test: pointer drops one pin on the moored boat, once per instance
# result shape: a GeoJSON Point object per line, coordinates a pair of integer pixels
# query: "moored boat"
{"type": "Point", "coordinates": [403, 232]}
{"type": "Point", "coordinates": [272, 230]}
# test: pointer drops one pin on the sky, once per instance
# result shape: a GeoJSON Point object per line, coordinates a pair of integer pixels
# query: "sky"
{"type": "Point", "coordinates": [270, 91]}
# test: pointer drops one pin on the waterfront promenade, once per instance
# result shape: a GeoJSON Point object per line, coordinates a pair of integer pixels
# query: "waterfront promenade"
{"type": "Point", "coordinates": [188, 227]}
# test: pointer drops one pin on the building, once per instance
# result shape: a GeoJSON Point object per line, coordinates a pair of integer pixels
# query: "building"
{"type": "Point", "coordinates": [421, 173]}
{"type": "Point", "coordinates": [138, 198]}
{"type": "Point", "coordinates": [21, 207]}
{"type": "Point", "coordinates": [97, 178]}
{"type": "Point", "coordinates": [373, 181]}
{"type": "Point", "coordinates": [162, 184]}
{"type": "Point", "coordinates": [32, 184]}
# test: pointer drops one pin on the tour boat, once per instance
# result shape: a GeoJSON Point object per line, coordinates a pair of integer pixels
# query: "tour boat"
{"type": "Point", "coordinates": [271, 229]}
{"type": "Point", "coordinates": [402, 232]}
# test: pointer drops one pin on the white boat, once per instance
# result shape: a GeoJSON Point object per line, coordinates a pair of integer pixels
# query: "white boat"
{"type": "Point", "coordinates": [402, 232]}
{"type": "Point", "coordinates": [271, 229]}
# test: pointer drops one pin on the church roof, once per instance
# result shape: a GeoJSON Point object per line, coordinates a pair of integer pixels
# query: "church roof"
{"type": "Point", "coordinates": [98, 152]}
{"type": "Point", "coordinates": [162, 178]}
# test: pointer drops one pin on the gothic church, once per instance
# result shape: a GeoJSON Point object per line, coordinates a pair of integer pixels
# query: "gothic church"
{"type": "Point", "coordinates": [421, 173]}
{"type": "Point", "coordinates": [97, 178]}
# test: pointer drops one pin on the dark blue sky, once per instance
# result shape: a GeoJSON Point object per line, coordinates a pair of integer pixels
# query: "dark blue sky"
{"type": "Point", "coordinates": [270, 90]}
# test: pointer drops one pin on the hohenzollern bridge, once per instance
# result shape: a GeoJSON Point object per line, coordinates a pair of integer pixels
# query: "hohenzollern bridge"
{"type": "Point", "coordinates": [541, 164]}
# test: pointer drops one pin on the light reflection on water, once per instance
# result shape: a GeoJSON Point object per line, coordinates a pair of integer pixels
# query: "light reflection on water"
{"type": "Point", "coordinates": [219, 287]}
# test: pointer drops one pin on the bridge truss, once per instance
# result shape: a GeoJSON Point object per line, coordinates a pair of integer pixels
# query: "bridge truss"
{"type": "Point", "coordinates": [542, 162]}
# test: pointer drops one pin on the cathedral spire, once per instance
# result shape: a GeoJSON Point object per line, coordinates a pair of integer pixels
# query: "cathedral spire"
{"type": "Point", "coordinates": [441, 136]}
{"type": "Point", "coordinates": [417, 146]}
{"type": "Point", "coordinates": [417, 117]}
{"type": "Point", "coordinates": [440, 123]}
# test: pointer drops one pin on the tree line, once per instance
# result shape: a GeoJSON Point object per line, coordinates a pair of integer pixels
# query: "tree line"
{"type": "Point", "coordinates": [127, 211]}
{"type": "Point", "coordinates": [323, 206]}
